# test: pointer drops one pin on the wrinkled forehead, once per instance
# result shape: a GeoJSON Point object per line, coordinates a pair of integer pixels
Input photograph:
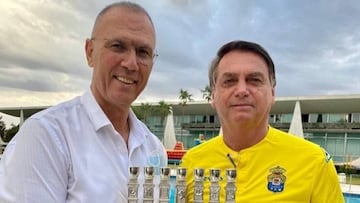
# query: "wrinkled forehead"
{"type": "Point", "coordinates": [236, 60]}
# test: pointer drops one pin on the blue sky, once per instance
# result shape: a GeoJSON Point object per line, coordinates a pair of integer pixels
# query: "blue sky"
{"type": "Point", "coordinates": [315, 46]}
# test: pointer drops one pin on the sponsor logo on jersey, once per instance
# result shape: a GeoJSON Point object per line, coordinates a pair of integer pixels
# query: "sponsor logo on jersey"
{"type": "Point", "coordinates": [327, 156]}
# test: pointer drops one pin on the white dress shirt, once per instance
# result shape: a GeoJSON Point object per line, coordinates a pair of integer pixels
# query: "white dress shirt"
{"type": "Point", "coordinates": [71, 153]}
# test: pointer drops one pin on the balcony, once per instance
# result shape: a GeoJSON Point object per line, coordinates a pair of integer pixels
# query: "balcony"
{"type": "Point", "coordinates": [338, 127]}
{"type": "Point", "coordinates": [201, 126]}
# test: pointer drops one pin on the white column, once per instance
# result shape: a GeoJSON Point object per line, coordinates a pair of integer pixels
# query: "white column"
{"type": "Point", "coordinates": [296, 122]}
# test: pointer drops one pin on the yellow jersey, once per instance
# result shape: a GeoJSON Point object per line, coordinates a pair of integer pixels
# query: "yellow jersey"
{"type": "Point", "coordinates": [280, 168]}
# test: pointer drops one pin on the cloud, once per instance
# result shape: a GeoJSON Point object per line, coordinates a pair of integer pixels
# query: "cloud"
{"type": "Point", "coordinates": [315, 45]}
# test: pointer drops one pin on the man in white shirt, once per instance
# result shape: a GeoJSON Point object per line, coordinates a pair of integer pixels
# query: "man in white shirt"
{"type": "Point", "coordinates": [81, 150]}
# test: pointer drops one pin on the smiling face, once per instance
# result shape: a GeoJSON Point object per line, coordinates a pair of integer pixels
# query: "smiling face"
{"type": "Point", "coordinates": [119, 51]}
{"type": "Point", "coordinates": [242, 93]}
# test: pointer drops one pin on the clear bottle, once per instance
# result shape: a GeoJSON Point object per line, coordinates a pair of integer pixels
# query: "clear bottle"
{"type": "Point", "coordinates": [133, 185]}
{"type": "Point", "coordinates": [181, 185]}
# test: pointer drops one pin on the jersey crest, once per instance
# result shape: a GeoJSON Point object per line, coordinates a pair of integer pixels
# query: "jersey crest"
{"type": "Point", "coordinates": [276, 179]}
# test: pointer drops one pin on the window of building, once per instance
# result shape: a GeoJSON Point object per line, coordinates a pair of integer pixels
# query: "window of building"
{"type": "Point", "coordinates": [271, 118]}
{"type": "Point", "coordinates": [354, 135]}
{"type": "Point", "coordinates": [315, 118]}
{"type": "Point", "coordinates": [353, 148]}
{"type": "Point", "coordinates": [355, 117]}
{"type": "Point", "coordinates": [353, 145]}
{"type": "Point", "coordinates": [317, 137]}
{"type": "Point", "coordinates": [186, 119]}
{"type": "Point", "coordinates": [337, 118]}
{"type": "Point", "coordinates": [280, 118]}
{"type": "Point", "coordinates": [211, 119]}
{"type": "Point", "coordinates": [200, 119]}
{"type": "Point", "coordinates": [305, 118]}
{"type": "Point", "coordinates": [178, 120]}
{"type": "Point", "coordinates": [335, 145]}
{"type": "Point", "coordinates": [153, 120]}
{"type": "Point", "coordinates": [286, 118]}
{"type": "Point", "coordinates": [277, 118]}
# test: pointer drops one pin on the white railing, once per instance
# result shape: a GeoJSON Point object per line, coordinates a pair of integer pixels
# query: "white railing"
{"type": "Point", "coordinates": [348, 183]}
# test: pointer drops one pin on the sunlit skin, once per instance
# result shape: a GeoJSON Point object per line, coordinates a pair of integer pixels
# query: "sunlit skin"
{"type": "Point", "coordinates": [243, 96]}
{"type": "Point", "coordinates": [118, 78]}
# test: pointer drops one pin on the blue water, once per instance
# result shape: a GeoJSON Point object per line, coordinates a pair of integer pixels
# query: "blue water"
{"type": "Point", "coordinates": [352, 198]}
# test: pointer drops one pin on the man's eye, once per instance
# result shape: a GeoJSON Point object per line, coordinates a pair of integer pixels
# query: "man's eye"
{"type": "Point", "coordinates": [229, 81]}
{"type": "Point", "coordinates": [255, 80]}
{"type": "Point", "coordinates": [143, 53]}
{"type": "Point", "coordinates": [118, 45]}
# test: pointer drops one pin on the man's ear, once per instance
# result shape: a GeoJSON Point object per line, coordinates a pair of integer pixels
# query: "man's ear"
{"type": "Point", "coordinates": [273, 94]}
{"type": "Point", "coordinates": [212, 102]}
{"type": "Point", "coordinates": [89, 51]}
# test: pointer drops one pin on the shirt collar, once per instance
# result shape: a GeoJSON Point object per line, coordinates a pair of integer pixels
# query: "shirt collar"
{"type": "Point", "coordinates": [99, 119]}
{"type": "Point", "coordinates": [94, 111]}
{"type": "Point", "coordinates": [138, 132]}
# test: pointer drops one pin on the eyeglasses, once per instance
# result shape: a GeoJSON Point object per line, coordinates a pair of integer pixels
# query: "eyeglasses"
{"type": "Point", "coordinates": [144, 54]}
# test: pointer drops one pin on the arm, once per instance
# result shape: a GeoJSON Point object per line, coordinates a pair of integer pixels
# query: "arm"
{"type": "Point", "coordinates": [326, 185]}
{"type": "Point", "coordinates": [34, 167]}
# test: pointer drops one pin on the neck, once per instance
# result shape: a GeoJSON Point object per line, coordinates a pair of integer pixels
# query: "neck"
{"type": "Point", "coordinates": [242, 138]}
{"type": "Point", "coordinates": [120, 120]}
{"type": "Point", "coordinates": [117, 114]}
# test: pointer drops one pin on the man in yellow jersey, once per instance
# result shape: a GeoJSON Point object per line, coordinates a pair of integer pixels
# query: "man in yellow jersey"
{"type": "Point", "coordinates": [270, 165]}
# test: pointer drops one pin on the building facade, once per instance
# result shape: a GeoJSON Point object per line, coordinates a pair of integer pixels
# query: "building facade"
{"type": "Point", "coordinates": [333, 122]}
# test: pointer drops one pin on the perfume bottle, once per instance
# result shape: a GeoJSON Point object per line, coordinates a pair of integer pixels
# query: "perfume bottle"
{"type": "Point", "coordinates": [164, 185]}
{"type": "Point", "coordinates": [230, 188]}
{"type": "Point", "coordinates": [214, 188]}
{"type": "Point", "coordinates": [198, 185]}
{"type": "Point", "coordinates": [133, 185]}
{"type": "Point", "coordinates": [181, 185]}
{"type": "Point", "coordinates": [149, 185]}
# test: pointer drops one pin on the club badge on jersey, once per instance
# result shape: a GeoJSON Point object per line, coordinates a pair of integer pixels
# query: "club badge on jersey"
{"type": "Point", "coordinates": [276, 179]}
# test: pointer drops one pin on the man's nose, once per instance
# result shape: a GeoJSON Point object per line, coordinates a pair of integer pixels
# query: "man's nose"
{"type": "Point", "coordinates": [130, 60]}
{"type": "Point", "coordinates": [242, 89]}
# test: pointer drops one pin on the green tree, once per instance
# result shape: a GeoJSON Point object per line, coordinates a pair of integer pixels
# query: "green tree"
{"type": "Point", "coordinates": [136, 110]}
{"type": "Point", "coordinates": [164, 110]}
{"type": "Point", "coordinates": [184, 97]}
{"type": "Point", "coordinates": [207, 93]}
{"type": "Point", "coordinates": [2, 128]}
{"type": "Point", "coordinates": [143, 111]}
{"type": "Point", "coordinates": [10, 133]}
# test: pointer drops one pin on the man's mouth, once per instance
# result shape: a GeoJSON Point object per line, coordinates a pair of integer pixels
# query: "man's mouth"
{"type": "Point", "coordinates": [125, 80]}
{"type": "Point", "coordinates": [243, 105]}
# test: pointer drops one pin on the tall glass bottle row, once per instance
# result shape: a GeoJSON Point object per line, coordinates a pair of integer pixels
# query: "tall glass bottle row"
{"type": "Point", "coordinates": [175, 191]}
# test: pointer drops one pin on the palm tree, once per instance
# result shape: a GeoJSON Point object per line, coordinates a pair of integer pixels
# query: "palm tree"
{"type": "Point", "coordinates": [207, 93]}
{"type": "Point", "coordinates": [11, 132]}
{"type": "Point", "coordinates": [143, 111]}
{"type": "Point", "coordinates": [184, 97]}
{"type": "Point", "coordinates": [2, 128]}
{"type": "Point", "coordinates": [163, 110]}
